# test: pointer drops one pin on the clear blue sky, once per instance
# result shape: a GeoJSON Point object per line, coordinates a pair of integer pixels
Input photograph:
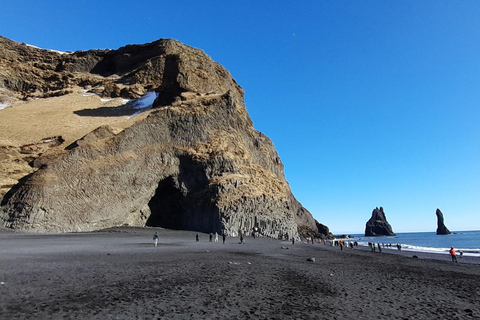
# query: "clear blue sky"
{"type": "Point", "coordinates": [369, 103]}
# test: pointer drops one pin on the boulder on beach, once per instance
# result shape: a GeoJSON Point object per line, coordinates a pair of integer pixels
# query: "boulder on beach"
{"type": "Point", "coordinates": [441, 227]}
{"type": "Point", "coordinates": [378, 224]}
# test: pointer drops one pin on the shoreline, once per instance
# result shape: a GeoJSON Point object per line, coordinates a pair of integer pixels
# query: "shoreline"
{"type": "Point", "coordinates": [465, 242]}
{"type": "Point", "coordinates": [119, 274]}
{"type": "Point", "coordinates": [409, 253]}
{"type": "Point", "coordinates": [181, 237]}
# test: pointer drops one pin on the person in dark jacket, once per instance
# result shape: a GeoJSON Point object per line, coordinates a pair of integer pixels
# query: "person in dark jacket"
{"type": "Point", "coordinates": [155, 238]}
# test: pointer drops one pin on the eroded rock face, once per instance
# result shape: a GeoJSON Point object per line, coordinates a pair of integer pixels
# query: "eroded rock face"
{"type": "Point", "coordinates": [195, 163]}
{"type": "Point", "coordinates": [378, 225]}
{"type": "Point", "coordinates": [441, 227]}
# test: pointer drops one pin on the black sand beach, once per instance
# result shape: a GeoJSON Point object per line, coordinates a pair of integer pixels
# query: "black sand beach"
{"type": "Point", "coordinates": [119, 274]}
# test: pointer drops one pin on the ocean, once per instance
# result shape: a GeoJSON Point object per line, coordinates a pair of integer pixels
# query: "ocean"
{"type": "Point", "coordinates": [466, 241]}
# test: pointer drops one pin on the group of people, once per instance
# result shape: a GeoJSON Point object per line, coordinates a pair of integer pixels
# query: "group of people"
{"type": "Point", "coordinates": [373, 247]}
{"type": "Point", "coordinates": [339, 243]}
{"type": "Point", "coordinates": [156, 238]}
{"type": "Point", "coordinates": [210, 237]}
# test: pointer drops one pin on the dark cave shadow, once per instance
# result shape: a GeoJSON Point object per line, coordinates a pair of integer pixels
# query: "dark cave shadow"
{"type": "Point", "coordinates": [14, 189]}
{"type": "Point", "coordinates": [127, 109]}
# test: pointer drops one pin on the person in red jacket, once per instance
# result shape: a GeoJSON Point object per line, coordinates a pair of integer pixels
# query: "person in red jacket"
{"type": "Point", "coordinates": [453, 254]}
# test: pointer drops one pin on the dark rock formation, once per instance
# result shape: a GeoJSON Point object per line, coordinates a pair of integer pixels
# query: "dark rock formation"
{"type": "Point", "coordinates": [441, 228]}
{"type": "Point", "coordinates": [195, 163]}
{"type": "Point", "coordinates": [378, 225]}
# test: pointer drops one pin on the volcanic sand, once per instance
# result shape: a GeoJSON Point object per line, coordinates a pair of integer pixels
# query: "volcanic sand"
{"type": "Point", "coordinates": [119, 274]}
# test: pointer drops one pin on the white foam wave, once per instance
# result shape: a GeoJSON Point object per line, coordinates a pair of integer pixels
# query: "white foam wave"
{"type": "Point", "coordinates": [407, 247]}
{"type": "Point", "coordinates": [466, 252]}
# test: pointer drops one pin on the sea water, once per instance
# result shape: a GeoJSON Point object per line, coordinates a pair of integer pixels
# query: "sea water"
{"type": "Point", "coordinates": [467, 242]}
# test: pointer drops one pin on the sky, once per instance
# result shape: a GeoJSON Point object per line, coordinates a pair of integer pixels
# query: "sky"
{"type": "Point", "coordinates": [368, 103]}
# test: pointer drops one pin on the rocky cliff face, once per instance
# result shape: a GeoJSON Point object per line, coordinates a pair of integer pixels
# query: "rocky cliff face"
{"type": "Point", "coordinates": [441, 227]}
{"type": "Point", "coordinates": [194, 163]}
{"type": "Point", "coordinates": [378, 225]}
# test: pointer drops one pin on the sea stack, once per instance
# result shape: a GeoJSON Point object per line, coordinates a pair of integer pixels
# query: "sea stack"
{"type": "Point", "coordinates": [193, 161]}
{"type": "Point", "coordinates": [378, 225]}
{"type": "Point", "coordinates": [441, 227]}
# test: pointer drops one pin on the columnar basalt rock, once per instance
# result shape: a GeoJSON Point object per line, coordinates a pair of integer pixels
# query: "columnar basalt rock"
{"type": "Point", "coordinates": [441, 227]}
{"type": "Point", "coordinates": [195, 163]}
{"type": "Point", "coordinates": [378, 225]}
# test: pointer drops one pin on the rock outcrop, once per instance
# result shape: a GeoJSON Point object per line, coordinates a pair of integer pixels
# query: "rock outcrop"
{"type": "Point", "coordinates": [378, 225]}
{"type": "Point", "coordinates": [441, 227]}
{"type": "Point", "coordinates": [195, 163]}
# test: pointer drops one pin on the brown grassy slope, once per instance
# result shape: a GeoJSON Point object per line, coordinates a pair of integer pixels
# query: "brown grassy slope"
{"type": "Point", "coordinates": [26, 129]}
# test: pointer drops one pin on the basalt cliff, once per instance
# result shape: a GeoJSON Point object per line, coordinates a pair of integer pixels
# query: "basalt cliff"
{"type": "Point", "coordinates": [378, 225]}
{"type": "Point", "coordinates": [191, 160]}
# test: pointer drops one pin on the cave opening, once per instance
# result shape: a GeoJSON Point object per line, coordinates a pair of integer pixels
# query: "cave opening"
{"type": "Point", "coordinates": [166, 206]}
{"type": "Point", "coordinates": [186, 201]}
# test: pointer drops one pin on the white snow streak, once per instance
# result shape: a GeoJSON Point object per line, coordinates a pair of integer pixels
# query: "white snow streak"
{"type": "Point", "coordinates": [145, 101]}
{"type": "Point", "coordinates": [60, 52]}
{"type": "Point", "coordinates": [4, 105]}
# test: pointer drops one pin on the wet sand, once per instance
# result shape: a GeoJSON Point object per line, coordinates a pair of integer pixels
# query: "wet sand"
{"type": "Point", "coordinates": [119, 274]}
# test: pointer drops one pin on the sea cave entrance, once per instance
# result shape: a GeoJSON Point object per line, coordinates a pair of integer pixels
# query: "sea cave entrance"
{"type": "Point", "coordinates": [166, 206]}
{"type": "Point", "coordinates": [186, 201]}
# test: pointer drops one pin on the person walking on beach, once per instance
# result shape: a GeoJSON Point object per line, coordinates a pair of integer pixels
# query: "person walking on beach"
{"type": "Point", "coordinates": [453, 254]}
{"type": "Point", "coordinates": [216, 237]}
{"type": "Point", "coordinates": [155, 238]}
{"type": "Point", "coordinates": [211, 236]}
{"type": "Point", "coordinates": [196, 237]}
{"type": "Point", "coordinates": [224, 237]}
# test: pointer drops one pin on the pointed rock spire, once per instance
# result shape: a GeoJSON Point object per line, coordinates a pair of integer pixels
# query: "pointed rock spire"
{"type": "Point", "coordinates": [441, 227]}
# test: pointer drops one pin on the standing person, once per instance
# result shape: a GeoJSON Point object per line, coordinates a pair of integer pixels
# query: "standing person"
{"type": "Point", "coordinates": [211, 236]}
{"type": "Point", "coordinates": [196, 237]}
{"type": "Point", "coordinates": [453, 254]}
{"type": "Point", "coordinates": [241, 238]}
{"type": "Point", "coordinates": [216, 237]}
{"type": "Point", "coordinates": [224, 237]}
{"type": "Point", "coordinates": [293, 240]}
{"type": "Point", "coordinates": [379, 248]}
{"type": "Point", "coordinates": [155, 238]}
